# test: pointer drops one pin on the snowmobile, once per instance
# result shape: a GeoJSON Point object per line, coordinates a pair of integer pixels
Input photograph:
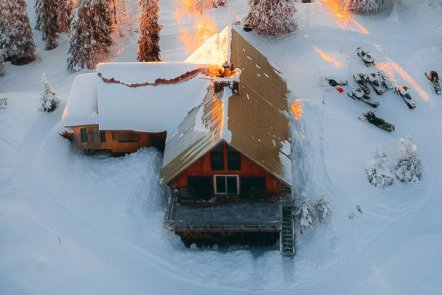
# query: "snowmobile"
{"type": "Point", "coordinates": [334, 83]}
{"type": "Point", "coordinates": [385, 80]}
{"type": "Point", "coordinates": [402, 91]}
{"type": "Point", "coordinates": [365, 56]}
{"type": "Point", "coordinates": [433, 77]}
{"type": "Point", "coordinates": [358, 93]}
{"type": "Point", "coordinates": [377, 82]}
{"type": "Point", "coordinates": [378, 122]}
{"type": "Point", "coordinates": [362, 81]}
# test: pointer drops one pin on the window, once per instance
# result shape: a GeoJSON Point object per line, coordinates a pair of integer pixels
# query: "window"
{"type": "Point", "coordinates": [125, 136]}
{"type": "Point", "coordinates": [103, 136]}
{"type": "Point", "coordinates": [217, 157]}
{"type": "Point", "coordinates": [226, 184]}
{"type": "Point", "coordinates": [83, 133]}
{"type": "Point", "coordinates": [233, 159]}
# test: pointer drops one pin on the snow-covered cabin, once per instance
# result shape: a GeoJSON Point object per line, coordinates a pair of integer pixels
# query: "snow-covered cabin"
{"type": "Point", "coordinates": [226, 139]}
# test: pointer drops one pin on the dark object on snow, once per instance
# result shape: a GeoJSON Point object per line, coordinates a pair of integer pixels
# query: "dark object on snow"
{"type": "Point", "coordinates": [359, 94]}
{"type": "Point", "coordinates": [362, 81]}
{"type": "Point", "coordinates": [378, 122]}
{"type": "Point", "coordinates": [402, 91]}
{"type": "Point", "coordinates": [379, 82]}
{"type": "Point", "coordinates": [247, 28]}
{"type": "Point", "coordinates": [66, 134]}
{"type": "Point", "coordinates": [433, 77]}
{"type": "Point", "coordinates": [334, 83]}
{"type": "Point", "coordinates": [365, 56]}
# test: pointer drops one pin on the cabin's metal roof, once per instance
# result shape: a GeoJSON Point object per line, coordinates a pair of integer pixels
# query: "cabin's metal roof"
{"type": "Point", "coordinates": [254, 121]}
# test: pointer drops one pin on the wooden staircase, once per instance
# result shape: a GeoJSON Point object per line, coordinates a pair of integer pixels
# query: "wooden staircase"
{"type": "Point", "coordinates": [287, 235]}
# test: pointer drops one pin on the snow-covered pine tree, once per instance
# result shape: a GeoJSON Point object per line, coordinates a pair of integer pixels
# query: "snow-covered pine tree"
{"type": "Point", "coordinates": [37, 15]}
{"type": "Point", "coordinates": [48, 98]}
{"type": "Point", "coordinates": [113, 13]}
{"type": "Point", "coordinates": [271, 17]}
{"type": "Point", "coordinates": [322, 210]}
{"type": "Point", "coordinates": [304, 211]}
{"type": "Point", "coordinates": [47, 16]}
{"type": "Point", "coordinates": [64, 15]}
{"type": "Point", "coordinates": [378, 172]}
{"type": "Point", "coordinates": [408, 167]}
{"type": "Point", "coordinates": [2, 67]}
{"type": "Point", "coordinates": [201, 5]}
{"type": "Point", "coordinates": [148, 42]}
{"type": "Point", "coordinates": [365, 6]}
{"type": "Point", "coordinates": [90, 35]}
{"type": "Point", "coordinates": [16, 32]}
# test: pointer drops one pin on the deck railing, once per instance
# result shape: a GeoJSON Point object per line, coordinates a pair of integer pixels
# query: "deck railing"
{"type": "Point", "coordinates": [265, 224]}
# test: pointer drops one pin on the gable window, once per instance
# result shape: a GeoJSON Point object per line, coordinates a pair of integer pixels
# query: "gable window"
{"type": "Point", "coordinates": [103, 136]}
{"type": "Point", "coordinates": [233, 159]}
{"type": "Point", "coordinates": [217, 157]}
{"type": "Point", "coordinates": [226, 184]}
{"type": "Point", "coordinates": [83, 134]}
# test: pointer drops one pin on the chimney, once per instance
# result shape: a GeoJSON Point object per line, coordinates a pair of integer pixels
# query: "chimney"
{"type": "Point", "coordinates": [227, 70]}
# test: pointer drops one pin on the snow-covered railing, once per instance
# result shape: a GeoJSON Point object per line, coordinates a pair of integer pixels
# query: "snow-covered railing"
{"type": "Point", "coordinates": [243, 226]}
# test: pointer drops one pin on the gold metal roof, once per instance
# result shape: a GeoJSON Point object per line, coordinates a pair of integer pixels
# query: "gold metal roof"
{"type": "Point", "coordinates": [257, 119]}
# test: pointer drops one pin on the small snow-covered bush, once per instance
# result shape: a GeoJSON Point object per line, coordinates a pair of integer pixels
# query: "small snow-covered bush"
{"type": "Point", "coordinates": [3, 103]}
{"type": "Point", "coordinates": [365, 6]}
{"type": "Point", "coordinates": [304, 211]}
{"type": "Point", "coordinates": [378, 173]}
{"type": "Point", "coordinates": [310, 212]}
{"type": "Point", "coordinates": [408, 167]}
{"type": "Point", "coordinates": [48, 98]}
{"type": "Point", "coordinates": [322, 210]}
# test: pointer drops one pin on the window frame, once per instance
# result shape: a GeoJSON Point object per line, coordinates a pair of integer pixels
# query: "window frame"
{"type": "Point", "coordinates": [214, 152]}
{"type": "Point", "coordinates": [102, 136]}
{"type": "Point", "coordinates": [231, 161]}
{"type": "Point", "coordinates": [225, 176]}
{"type": "Point", "coordinates": [84, 135]}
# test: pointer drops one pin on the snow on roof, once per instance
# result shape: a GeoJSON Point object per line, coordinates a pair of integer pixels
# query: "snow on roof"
{"type": "Point", "coordinates": [81, 106]}
{"type": "Point", "coordinates": [254, 121]}
{"type": "Point", "coordinates": [138, 72]}
{"type": "Point", "coordinates": [215, 50]}
{"type": "Point", "coordinates": [150, 97]}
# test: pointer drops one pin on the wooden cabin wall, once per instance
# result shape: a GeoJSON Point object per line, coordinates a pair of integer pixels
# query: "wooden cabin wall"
{"type": "Point", "coordinates": [248, 168]}
{"type": "Point", "coordinates": [114, 140]}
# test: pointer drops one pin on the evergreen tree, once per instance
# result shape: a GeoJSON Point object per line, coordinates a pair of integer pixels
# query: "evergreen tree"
{"type": "Point", "coordinates": [365, 6]}
{"type": "Point", "coordinates": [37, 15]}
{"type": "Point", "coordinates": [48, 98]}
{"type": "Point", "coordinates": [16, 32]}
{"type": "Point", "coordinates": [304, 211]}
{"type": "Point", "coordinates": [271, 17]}
{"type": "Point", "coordinates": [148, 42]}
{"type": "Point", "coordinates": [2, 59]}
{"type": "Point", "coordinates": [63, 14]}
{"type": "Point", "coordinates": [378, 173]}
{"type": "Point", "coordinates": [322, 210]}
{"type": "Point", "coordinates": [47, 15]}
{"type": "Point", "coordinates": [2, 67]}
{"type": "Point", "coordinates": [408, 167]}
{"type": "Point", "coordinates": [90, 35]}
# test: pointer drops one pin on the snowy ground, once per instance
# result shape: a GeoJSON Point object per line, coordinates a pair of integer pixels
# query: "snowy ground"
{"type": "Point", "coordinates": [73, 224]}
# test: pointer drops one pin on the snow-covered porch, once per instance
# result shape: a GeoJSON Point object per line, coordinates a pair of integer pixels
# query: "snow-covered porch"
{"type": "Point", "coordinates": [233, 216]}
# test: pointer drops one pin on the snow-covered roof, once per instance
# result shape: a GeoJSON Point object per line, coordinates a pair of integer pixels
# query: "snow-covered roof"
{"type": "Point", "coordinates": [81, 106]}
{"type": "Point", "coordinates": [254, 121]}
{"type": "Point", "coordinates": [150, 97]}
{"type": "Point", "coordinates": [215, 50]}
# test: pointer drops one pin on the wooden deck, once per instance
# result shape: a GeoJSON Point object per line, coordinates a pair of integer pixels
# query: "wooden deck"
{"type": "Point", "coordinates": [257, 216]}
